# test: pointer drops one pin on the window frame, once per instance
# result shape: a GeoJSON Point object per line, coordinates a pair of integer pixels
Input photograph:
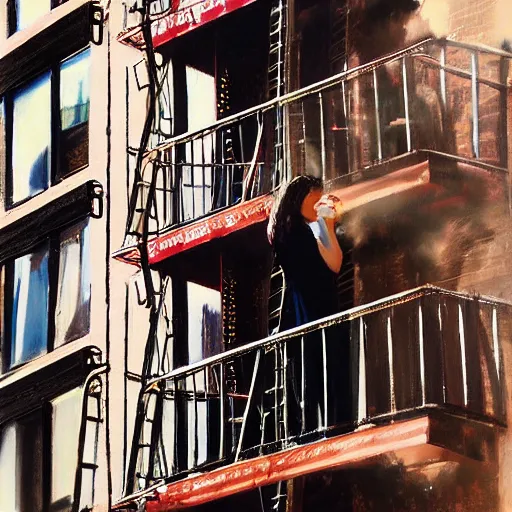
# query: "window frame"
{"type": "Point", "coordinates": [55, 171]}
{"type": "Point", "coordinates": [54, 257]}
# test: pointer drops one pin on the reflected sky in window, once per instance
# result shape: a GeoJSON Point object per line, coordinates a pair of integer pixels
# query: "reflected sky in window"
{"type": "Point", "coordinates": [31, 138]}
{"type": "Point", "coordinates": [75, 90]}
{"type": "Point", "coordinates": [28, 11]}
{"type": "Point", "coordinates": [74, 294]}
{"type": "Point", "coordinates": [29, 331]}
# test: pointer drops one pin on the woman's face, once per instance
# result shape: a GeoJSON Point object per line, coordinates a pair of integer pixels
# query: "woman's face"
{"type": "Point", "coordinates": [308, 205]}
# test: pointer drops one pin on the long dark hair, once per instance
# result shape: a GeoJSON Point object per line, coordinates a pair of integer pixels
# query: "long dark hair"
{"type": "Point", "coordinates": [286, 212]}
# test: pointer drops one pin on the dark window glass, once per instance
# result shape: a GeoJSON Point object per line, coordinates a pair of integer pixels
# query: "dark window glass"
{"type": "Point", "coordinates": [74, 113]}
{"type": "Point", "coordinates": [31, 135]}
{"type": "Point", "coordinates": [29, 318]}
{"type": "Point", "coordinates": [74, 288]}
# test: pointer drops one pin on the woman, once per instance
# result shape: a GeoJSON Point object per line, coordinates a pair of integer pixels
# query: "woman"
{"type": "Point", "coordinates": [310, 264]}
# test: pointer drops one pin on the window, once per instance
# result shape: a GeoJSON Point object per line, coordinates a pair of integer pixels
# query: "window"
{"type": "Point", "coordinates": [31, 138]}
{"type": "Point", "coordinates": [74, 114]}
{"type": "Point", "coordinates": [55, 276]}
{"type": "Point", "coordinates": [27, 446]}
{"type": "Point", "coordinates": [21, 464]}
{"type": "Point", "coordinates": [204, 322]}
{"type": "Point", "coordinates": [66, 416]}
{"type": "Point", "coordinates": [24, 13]}
{"type": "Point", "coordinates": [48, 128]}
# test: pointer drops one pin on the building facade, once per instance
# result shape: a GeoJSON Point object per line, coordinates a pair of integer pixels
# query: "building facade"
{"type": "Point", "coordinates": [143, 144]}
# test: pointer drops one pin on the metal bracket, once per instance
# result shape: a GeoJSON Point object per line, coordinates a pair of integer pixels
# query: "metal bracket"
{"type": "Point", "coordinates": [97, 18]}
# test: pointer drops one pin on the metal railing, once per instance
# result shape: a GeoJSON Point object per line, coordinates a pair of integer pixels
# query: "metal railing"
{"type": "Point", "coordinates": [404, 355]}
{"type": "Point", "coordinates": [436, 95]}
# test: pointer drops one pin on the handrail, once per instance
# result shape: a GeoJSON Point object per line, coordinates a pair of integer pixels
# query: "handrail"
{"type": "Point", "coordinates": [316, 87]}
{"type": "Point", "coordinates": [337, 318]}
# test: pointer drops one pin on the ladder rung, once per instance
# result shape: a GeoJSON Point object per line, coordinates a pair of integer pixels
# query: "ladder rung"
{"type": "Point", "coordinates": [94, 419]}
{"type": "Point", "coordinates": [89, 465]}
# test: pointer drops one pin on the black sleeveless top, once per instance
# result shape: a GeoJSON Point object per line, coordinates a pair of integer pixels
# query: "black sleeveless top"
{"type": "Point", "coordinates": [311, 291]}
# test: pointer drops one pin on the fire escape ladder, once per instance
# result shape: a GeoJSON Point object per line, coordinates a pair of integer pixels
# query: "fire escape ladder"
{"type": "Point", "coordinates": [338, 51]}
{"type": "Point", "coordinates": [92, 417]}
{"type": "Point", "coordinates": [275, 396]}
{"type": "Point", "coordinates": [276, 84]}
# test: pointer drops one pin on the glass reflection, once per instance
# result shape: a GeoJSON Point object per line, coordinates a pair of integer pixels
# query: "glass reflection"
{"type": "Point", "coordinates": [204, 322]}
{"type": "Point", "coordinates": [31, 138]}
{"type": "Point", "coordinates": [74, 113]}
{"type": "Point", "coordinates": [29, 326]}
{"type": "Point", "coordinates": [28, 11]}
{"type": "Point", "coordinates": [66, 415]}
{"type": "Point", "coordinates": [74, 290]}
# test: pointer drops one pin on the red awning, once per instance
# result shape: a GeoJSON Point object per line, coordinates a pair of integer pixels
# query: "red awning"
{"type": "Point", "coordinates": [188, 15]}
{"type": "Point", "coordinates": [218, 225]}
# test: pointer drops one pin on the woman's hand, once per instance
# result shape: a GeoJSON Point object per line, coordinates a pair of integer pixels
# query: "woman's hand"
{"type": "Point", "coordinates": [328, 208]}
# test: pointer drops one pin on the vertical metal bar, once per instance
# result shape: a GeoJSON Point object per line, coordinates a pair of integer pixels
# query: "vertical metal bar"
{"type": "Point", "coordinates": [323, 152]}
{"type": "Point", "coordinates": [390, 363]}
{"type": "Point", "coordinates": [192, 181]}
{"type": "Point", "coordinates": [213, 168]}
{"type": "Point", "coordinates": [406, 104]}
{"type": "Point", "coordinates": [302, 386]}
{"type": "Point", "coordinates": [442, 75]}
{"type": "Point", "coordinates": [176, 467]}
{"type": "Point", "coordinates": [247, 407]}
{"type": "Point", "coordinates": [203, 171]}
{"type": "Point", "coordinates": [240, 135]}
{"type": "Point", "coordinates": [362, 408]}
{"type": "Point", "coordinates": [495, 341]}
{"type": "Point", "coordinates": [475, 106]}
{"type": "Point", "coordinates": [440, 318]}
{"type": "Point", "coordinates": [325, 376]}
{"type": "Point", "coordinates": [377, 114]}
{"type": "Point", "coordinates": [276, 392]}
{"type": "Point", "coordinates": [196, 421]}
{"type": "Point", "coordinates": [222, 419]}
{"type": "Point", "coordinates": [422, 354]}
{"type": "Point", "coordinates": [285, 392]}
{"type": "Point", "coordinates": [462, 340]}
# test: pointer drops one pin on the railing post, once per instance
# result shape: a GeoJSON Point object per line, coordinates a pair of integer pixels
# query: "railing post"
{"type": "Point", "coordinates": [362, 412]}
{"type": "Point", "coordinates": [377, 114]}
{"type": "Point", "coordinates": [474, 103]}
{"type": "Point", "coordinates": [406, 104]}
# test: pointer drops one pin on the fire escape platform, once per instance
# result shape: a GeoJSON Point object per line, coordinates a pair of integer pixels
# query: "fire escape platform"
{"type": "Point", "coordinates": [421, 178]}
{"type": "Point", "coordinates": [433, 438]}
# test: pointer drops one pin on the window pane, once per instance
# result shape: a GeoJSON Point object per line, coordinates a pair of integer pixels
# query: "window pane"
{"type": "Point", "coordinates": [28, 11]}
{"type": "Point", "coordinates": [74, 113]}
{"type": "Point", "coordinates": [31, 138]}
{"type": "Point", "coordinates": [204, 322]}
{"type": "Point", "coordinates": [29, 461]}
{"type": "Point", "coordinates": [65, 427]}
{"type": "Point", "coordinates": [8, 447]}
{"type": "Point", "coordinates": [21, 465]}
{"type": "Point", "coordinates": [29, 321]}
{"type": "Point", "coordinates": [74, 289]}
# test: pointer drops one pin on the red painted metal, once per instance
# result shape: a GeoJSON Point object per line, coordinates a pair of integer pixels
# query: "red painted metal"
{"type": "Point", "coordinates": [216, 226]}
{"type": "Point", "coordinates": [188, 16]}
{"type": "Point", "coordinates": [243, 476]}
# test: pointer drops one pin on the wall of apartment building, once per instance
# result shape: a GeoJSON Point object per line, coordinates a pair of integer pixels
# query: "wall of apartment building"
{"type": "Point", "coordinates": [104, 233]}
